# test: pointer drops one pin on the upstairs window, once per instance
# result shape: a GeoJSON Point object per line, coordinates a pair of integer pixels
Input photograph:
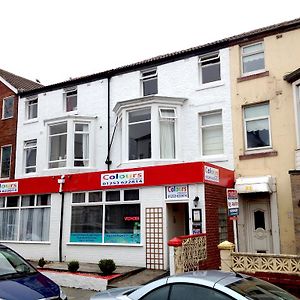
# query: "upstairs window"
{"type": "Point", "coordinates": [30, 149]}
{"type": "Point", "coordinates": [81, 145]}
{"type": "Point", "coordinates": [210, 70]}
{"type": "Point", "coordinates": [167, 132]}
{"type": "Point", "coordinates": [139, 134]}
{"type": "Point", "coordinates": [70, 96]}
{"type": "Point", "coordinates": [5, 161]}
{"type": "Point", "coordinates": [149, 82]}
{"type": "Point", "coordinates": [253, 58]}
{"type": "Point", "coordinates": [257, 126]}
{"type": "Point", "coordinates": [212, 133]}
{"type": "Point", "coordinates": [31, 108]}
{"type": "Point", "coordinates": [58, 145]}
{"type": "Point", "coordinates": [8, 107]}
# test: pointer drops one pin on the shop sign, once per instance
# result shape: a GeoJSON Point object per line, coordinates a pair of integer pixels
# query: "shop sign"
{"type": "Point", "coordinates": [232, 202]}
{"type": "Point", "coordinates": [9, 187]}
{"type": "Point", "coordinates": [122, 178]}
{"type": "Point", "coordinates": [86, 237]}
{"type": "Point", "coordinates": [177, 192]}
{"type": "Point", "coordinates": [211, 174]}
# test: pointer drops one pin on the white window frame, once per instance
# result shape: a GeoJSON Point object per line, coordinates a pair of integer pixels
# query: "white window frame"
{"type": "Point", "coordinates": [65, 95]}
{"type": "Point", "coordinates": [145, 77]}
{"type": "Point", "coordinates": [206, 58]}
{"type": "Point", "coordinates": [29, 106]}
{"type": "Point", "coordinates": [215, 112]}
{"type": "Point", "coordinates": [256, 119]}
{"type": "Point", "coordinates": [26, 148]}
{"type": "Point", "coordinates": [83, 133]}
{"type": "Point", "coordinates": [3, 107]}
{"type": "Point", "coordinates": [250, 54]}
{"type": "Point", "coordinates": [1, 157]}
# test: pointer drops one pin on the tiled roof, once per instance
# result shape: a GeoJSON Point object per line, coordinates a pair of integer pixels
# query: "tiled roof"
{"type": "Point", "coordinates": [18, 82]}
{"type": "Point", "coordinates": [223, 43]}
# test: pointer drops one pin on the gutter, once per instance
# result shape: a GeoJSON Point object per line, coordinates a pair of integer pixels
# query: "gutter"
{"type": "Point", "coordinates": [108, 161]}
{"type": "Point", "coordinates": [61, 181]}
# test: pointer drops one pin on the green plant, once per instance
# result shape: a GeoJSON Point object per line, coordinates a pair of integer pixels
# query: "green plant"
{"type": "Point", "coordinates": [73, 265]}
{"type": "Point", "coordinates": [41, 262]}
{"type": "Point", "coordinates": [107, 266]}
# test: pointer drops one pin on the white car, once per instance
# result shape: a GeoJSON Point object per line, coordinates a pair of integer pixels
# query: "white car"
{"type": "Point", "coordinates": [208, 285]}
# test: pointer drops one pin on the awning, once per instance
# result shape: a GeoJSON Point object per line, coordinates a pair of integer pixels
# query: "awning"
{"type": "Point", "coordinates": [255, 184]}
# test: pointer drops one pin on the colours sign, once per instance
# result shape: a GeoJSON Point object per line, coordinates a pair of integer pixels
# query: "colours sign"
{"type": "Point", "coordinates": [122, 178]}
{"type": "Point", "coordinates": [177, 192]}
{"type": "Point", "coordinates": [9, 187]}
{"type": "Point", "coordinates": [211, 174]}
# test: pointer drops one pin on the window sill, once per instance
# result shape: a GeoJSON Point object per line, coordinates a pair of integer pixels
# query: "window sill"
{"type": "Point", "coordinates": [9, 118]}
{"type": "Point", "coordinates": [35, 120]}
{"type": "Point", "coordinates": [258, 155]}
{"type": "Point", "coordinates": [253, 76]}
{"type": "Point", "coordinates": [210, 85]}
{"type": "Point", "coordinates": [214, 158]}
{"type": "Point", "coordinates": [104, 244]}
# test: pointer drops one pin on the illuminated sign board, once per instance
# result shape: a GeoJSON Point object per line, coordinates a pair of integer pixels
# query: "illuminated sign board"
{"type": "Point", "coordinates": [122, 178]}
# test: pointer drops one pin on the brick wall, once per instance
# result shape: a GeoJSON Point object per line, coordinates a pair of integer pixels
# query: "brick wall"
{"type": "Point", "coordinates": [215, 198]}
{"type": "Point", "coordinates": [8, 127]}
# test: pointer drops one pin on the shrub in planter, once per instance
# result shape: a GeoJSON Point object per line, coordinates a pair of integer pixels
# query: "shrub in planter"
{"type": "Point", "coordinates": [41, 262]}
{"type": "Point", "coordinates": [107, 266]}
{"type": "Point", "coordinates": [73, 266]}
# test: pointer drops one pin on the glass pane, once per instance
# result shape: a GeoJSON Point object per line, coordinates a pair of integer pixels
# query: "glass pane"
{"type": "Point", "coordinates": [161, 293]}
{"type": "Point", "coordinates": [82, 127]}
{"type": "Point", "coordinates": [259, 219]}
{"type": "Point", "coordinates": [211, 73]}
{"type": "Point", "coordinates": [12, 201]}
{"type": "Point", "coordinates": [95, 196]}
{"type": "Point", "coordinates": [212, 119]}
{"type": "Point", "coordinates": [5, 163]}
{"type": "Point", "coordinates": [122, 224]}
{"type": "Point", "coordinates": [150, 86]}
{"type": "Point", "coordinates": [253, 48]}
{"type": "Point", "coordinates": [253, 62]}
{"type": "Point", "coordinates": [8, 107]}
{"type": "Point", "coordinates": [149, 73]}
{"type": "Point", "coordinates": [71, 101]}
{"type": "Point", "coordinates": [32, 109]}
{"type": "Point", "coordinates": [131, 195]}
{"type": "Point", "coordinates": [59, 128]}
{"type": "Point", "coordinates": [212, 140]}
{"type": "Point", "coordinates": [78, 198]}
{"type": "Point", "coordinates": [139, 115]}
{"type": "Point", "coordinates": [2, 201]}
{"type": "Point", "coordinates": [167, 113]}
{"type": "Point", "coordinates": [167, 139]}
{"type": "Point", "coordinates": [9, 219]}
{"type": "Point", "coordinates": [81, 148]}
{"type": "Point", "coordinates": [86, 224]}
{"type": "Point", "coordinates": [35, 224]}
{"type": "Point", "coordinates": [27, 200]}
{"type": "Point", "coordinates": [256, 111]}
{"type": "Point", "coordinates": [58, 147]}
{"type": "Point", "coordinates": [140, 141]}
{"type": "Point", "coordinates": [113, 196]}
{"type": "Point", "coordinates": [30, 160]}
{"type": "Point", "coordinates": [43, 200]}
{"type": "Point", "coordinates": [258, 133]}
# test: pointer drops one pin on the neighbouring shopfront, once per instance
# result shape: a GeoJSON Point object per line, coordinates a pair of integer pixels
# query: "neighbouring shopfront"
{"type": "Point", "coordinates": [127, 215]}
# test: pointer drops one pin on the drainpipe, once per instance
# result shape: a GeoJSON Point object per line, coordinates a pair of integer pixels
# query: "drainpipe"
{"type": "Point", "coordinates": [108, 161]}
{"type": "Point", "coordinates": [61, 181]}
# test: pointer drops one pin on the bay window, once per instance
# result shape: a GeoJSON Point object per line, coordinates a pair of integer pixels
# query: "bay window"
{"type": "Point", "coordinates": [81, 145]}
{"type": "Point", "coordinates": [58, 145]}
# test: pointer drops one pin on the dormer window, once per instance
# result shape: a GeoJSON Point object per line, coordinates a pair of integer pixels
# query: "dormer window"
{"type": "Point", "coordinates": [149, 82]}
{"type": "Point", "coordinates": [70, 99]}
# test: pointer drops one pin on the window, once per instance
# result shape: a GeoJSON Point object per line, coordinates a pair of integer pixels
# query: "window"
{"type": "Point", "coordinates": [25, 218]}
{"type": "Point", "coordinates": [223, 230]}
{"type": "Point", "coordinates": [210, 68]}
{"type": "Point", "coordinates": [81, 145]}
{"type": "Point", "coordinates": [58, 145]}
{"type": "Point", "coordinates": [149, 82]}
{"type": "Point", "coordinates": [253, 58]}
{"type": "Point", "coordinates": [70, 99]}
{"type": "Point", "coordinates": [212, 133]}
{"type": "Point", "coordinates": [31, 108]}
{"type": "Point", "coordinates": [121, 224]}
{"type": "Point", "coordinates": [5, 161]}
{"type": "Point", "coordinates": [257, 126]}
{"type": "Point", "coordinates": [167, 132]}
{"type": "Point", "coordinates": [30, 149]}
{"type": "Point", "coordinates": [8, 107]}
{"type": "Point", "coordinates": [139, 131]}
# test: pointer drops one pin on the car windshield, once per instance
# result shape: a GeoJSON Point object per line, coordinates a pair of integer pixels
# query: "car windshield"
{"type": "Point", "coordinates": [253, 288]}
{"type": "Point", "coordinates": [12, 265]}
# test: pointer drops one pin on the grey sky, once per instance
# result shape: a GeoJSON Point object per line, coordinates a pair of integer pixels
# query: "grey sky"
{"type": "Point", "coordinates": [57, 39]}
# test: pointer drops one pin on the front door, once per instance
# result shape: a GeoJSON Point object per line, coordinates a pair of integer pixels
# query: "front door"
{"type": "Point", "coordinates": [259, 226]}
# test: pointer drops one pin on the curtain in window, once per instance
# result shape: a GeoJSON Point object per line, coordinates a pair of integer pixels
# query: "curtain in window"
{"type": "Point", "coordinates": [167, 138]}
{"type": "Point", "coordinates": [9, 223]}
{"type": "Point", "coordinates": [34, 225]}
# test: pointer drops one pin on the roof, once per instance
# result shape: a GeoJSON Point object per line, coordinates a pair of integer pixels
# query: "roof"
{"type": "Point", "coordinates": [170, 57]}
{"type": "Point", "coordinates": [293, 76]}
{"type": "Point", "coordinates": [18, 82]}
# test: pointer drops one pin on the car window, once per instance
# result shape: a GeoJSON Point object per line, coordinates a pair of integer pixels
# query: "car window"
{"type": "Point", "coordinates": [257, 289]}
{"type": "Point", "coordinates": [160, 293]}
{"type": "Point", "coordinates": [191, 291]}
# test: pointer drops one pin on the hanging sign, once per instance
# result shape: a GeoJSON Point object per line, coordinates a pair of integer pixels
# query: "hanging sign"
{"type": "Point", "coordinates": [232, 202]}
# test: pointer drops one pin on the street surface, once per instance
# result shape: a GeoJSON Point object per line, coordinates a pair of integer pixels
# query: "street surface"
{"type": "Point", "coordinates": [78, 294]}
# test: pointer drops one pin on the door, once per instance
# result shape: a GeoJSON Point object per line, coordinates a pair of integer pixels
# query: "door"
{"type": "Point", "coordinates": [259, 229]}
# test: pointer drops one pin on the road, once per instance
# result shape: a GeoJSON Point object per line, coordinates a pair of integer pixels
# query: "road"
{"type": "Point", "coordinates": [78, 294]}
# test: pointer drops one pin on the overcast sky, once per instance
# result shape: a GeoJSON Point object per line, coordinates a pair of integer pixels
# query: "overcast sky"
{"type": "Point", "coordinates": [58, 39]}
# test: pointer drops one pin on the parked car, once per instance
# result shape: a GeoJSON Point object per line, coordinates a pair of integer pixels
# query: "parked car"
{"type": "Point", "coordinates": [20, 280]}
{"type": "Point", "coordinates": [210, 285]}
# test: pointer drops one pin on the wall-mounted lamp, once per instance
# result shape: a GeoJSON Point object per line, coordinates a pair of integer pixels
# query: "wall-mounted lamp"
{"type": "Point", "coordinates": [196, 201]}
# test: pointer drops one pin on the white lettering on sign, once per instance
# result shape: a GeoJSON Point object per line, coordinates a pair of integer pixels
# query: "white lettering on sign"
{"type": "Point", "coordinates": [177, 192]}
{"type": "Point", "coordinates": [211, 174]}
{"type": "Point", "coordinates": [9, 187]}
{"type": "Point", "coordinates": [122, 178]}
{"type": "Point", "coordinates": [232, 202]}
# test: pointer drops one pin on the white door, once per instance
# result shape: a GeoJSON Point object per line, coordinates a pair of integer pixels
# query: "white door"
{"type": "Point", "coordinates": [259, 227]}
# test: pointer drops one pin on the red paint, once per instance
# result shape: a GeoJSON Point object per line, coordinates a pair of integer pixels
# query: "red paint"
{"type": "Point", "coordinates": [177, 241]}
{"type": "Point", "coordinates": [173, 174]}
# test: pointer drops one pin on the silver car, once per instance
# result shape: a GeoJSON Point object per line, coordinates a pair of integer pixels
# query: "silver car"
{"type": "Point", "coordinates": [210, 285]}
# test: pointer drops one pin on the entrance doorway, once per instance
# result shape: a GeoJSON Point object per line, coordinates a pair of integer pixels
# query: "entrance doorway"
{"type": "Point", "coordinates": [177, 219]}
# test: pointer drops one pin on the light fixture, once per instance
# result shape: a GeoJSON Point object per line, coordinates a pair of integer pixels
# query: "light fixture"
{"type": "Point", "coordinates": [196, 201]}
